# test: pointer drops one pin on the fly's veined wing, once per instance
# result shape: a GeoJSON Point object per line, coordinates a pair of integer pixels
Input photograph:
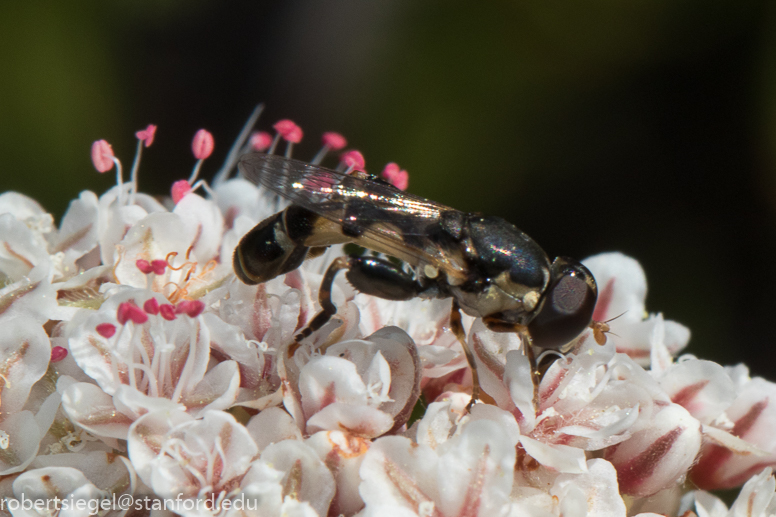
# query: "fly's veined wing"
{"type": "Point", "coordinates": [397, 222]}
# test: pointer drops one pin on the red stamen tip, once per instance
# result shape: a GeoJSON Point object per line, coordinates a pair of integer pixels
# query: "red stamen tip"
{"type": "Point", "coordinates": [334, 141]}
{"type": "Point", "coordinates": [399, 178]}
{"type": "Point", "coordinates": [202, 145]}
{"type": "Point", "coordinates": [260, 141]}
{"type": "Point", "coordinates": [129, 311]}
{"type": "Point", "coordinates": [354, 160]}
{"type": "Point", "coordinates": [106, 330]}
{"type": "Point", "coordinates": [144, 266]}
{"type": "Point", "coordinates": [147, 135]}
{"type": "Point", "coordinates": [58, 353]}
{"type": "Point", "coordinates": [102, 156]}
{"type": "Point", "coordinates": [192, 308]}
{"type": "Point", "coordinates": [179, 189]}
{"type": "Point", "coordinates": [289, 130]}
{"type": "Point", "coordinates": [158, 266]}
{"type": "Point", "coordinates": [151, 306]}
{"type": "Point", "coordinates": [167, 311]}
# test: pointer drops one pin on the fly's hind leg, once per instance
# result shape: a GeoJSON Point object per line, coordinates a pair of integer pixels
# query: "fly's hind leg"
{"type": "Point", "coordinates": [369, 275]}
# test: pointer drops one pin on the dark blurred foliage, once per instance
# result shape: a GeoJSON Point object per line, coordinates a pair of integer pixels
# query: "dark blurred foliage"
{"type": "Point", "coordinates": [647, 127]}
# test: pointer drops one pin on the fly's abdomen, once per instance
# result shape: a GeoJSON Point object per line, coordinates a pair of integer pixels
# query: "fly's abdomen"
{"type": "Point", "coordinates": [268, 251]}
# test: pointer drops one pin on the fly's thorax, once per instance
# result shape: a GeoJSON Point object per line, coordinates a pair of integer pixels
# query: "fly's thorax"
{"type": "Point", "coordinates": [489, 299]}
{"type": "Point", "coordinates": [511, 259]}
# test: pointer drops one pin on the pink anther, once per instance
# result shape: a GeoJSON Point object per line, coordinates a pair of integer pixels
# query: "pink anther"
{"type": "Point", "coordinates": [179, 190]}
{"type": "Point", "coordinates": [158, 266]}
{"type": "Point", "coordinates": [144, 266]}
{"type": "Point", "coordinates": [58, 353]}
{"type": "Point", "coordinates": [334, 141]}
{"type": "Point", "coordinates": [399, 178]}
{"type": "Point", "coordinates": [151, 306]}
{"type": "Point", "coordinates": [289, 130]}
{"type": "Point", "coordinates": [354, 160]}
{"type": "Point", "coordinates": [147, 135]}
{"type": "Point", "coordinates": [167, 311]}
{"type": "Point", "coordinates": [202, 144]}
{"type": "Point", "coordinates": [260, 141]}
{"type": "Point", "coordinates": [102, 156]}
{"type": "Point", "coordinates": [106, 330]}
{"type": "Point", "coordinates": [192, 308]}
{"type": "Point", "coordinates": [129, 311]}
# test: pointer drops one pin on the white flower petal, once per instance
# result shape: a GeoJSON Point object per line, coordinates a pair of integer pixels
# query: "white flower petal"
{"type": "Point", "coordinates": [94, 410]}
{"type": "Point", "coordinates": [25, 350]}
{"type": "Point", "coordinates": [217, 389]}
{"type": "Point", "coordinates": [659, 455]}
{"type": "Point", "coordinates": [204, 225]}
{"type": "Point", "coordinates": [42, 485]}
{"type": "Point", "coordinates": [343, 454]}
{"type": "Point", "coordinates": [591, 493]}
{"type": "Point", "coordinates": [310, 479]}
{"type": "Point", "coordinates": [561, 458]}
{"type": "Point", "coordinates": [272, 425]}
{"type": "Point", "coordinates": [757, 496]}
{"type": "Point", "coordinates": [360, 420]}
{"type": "Point", "coordinates": [701, 387]}
{"type": "Point", "coordinates": [24, 437]}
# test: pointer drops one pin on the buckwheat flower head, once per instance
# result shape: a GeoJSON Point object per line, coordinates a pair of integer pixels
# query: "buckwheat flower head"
{"type": "Point", "coordinates": [133, 362]}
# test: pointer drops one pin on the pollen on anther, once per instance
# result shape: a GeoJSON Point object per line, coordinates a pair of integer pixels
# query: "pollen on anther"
{"type": "Point", "coordinates": [102, 156]}
{"type": "Point", "coordinates": [106, 330]}
{"type": "Point", "coordinates": [58, 353]}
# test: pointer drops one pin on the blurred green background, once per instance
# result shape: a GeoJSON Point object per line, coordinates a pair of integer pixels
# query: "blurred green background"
{"type": "Point", "coordinates": [647, 127]}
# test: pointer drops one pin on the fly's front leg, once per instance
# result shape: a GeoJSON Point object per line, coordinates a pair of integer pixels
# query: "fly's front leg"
{"type": "Point", "coordinates": [499, 326]}
{"type": "Point", "coordinates": [369, 275]}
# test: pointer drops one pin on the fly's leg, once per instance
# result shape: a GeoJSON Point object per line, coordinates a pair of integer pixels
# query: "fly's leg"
{"type": "Point", "coordinates": [457, 327]}
{"type": "Point", "coordinates": [328, 309]}
{"type": "Point", "coordinates": [499, 326]}
{"type": "Point", "coordinates": [369, 275]}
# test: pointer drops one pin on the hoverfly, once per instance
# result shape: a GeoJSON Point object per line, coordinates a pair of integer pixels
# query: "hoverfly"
{"type": "Point", "coordinates": [486, 265]}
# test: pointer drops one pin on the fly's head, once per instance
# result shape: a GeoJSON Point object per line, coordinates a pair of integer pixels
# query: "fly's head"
{"type": "Point", "coordinates": [566, 308]}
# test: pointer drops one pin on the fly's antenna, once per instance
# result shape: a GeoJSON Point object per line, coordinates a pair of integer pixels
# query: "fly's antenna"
{"type": "Point", "coordinates": [602, 328]}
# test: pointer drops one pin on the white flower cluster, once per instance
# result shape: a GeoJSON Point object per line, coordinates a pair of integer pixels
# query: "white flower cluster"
{"type": "Point", "coordinates": [132, 361]}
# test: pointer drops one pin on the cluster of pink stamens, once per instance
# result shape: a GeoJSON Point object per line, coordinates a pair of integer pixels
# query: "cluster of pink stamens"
{"type": "Point", "coordinates": [129, 311]}
{"type": "Point", "coordinates": [350, 161]}
{"type": "Point", "coordinates": [202, 147]}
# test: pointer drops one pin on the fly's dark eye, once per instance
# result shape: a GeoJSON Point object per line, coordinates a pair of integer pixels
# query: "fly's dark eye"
{"type": "Point", "coordinates": [567, 307]}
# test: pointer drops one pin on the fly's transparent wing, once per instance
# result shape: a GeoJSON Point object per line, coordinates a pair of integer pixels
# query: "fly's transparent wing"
{"type": "Point", "coordinates": [383, 217]}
